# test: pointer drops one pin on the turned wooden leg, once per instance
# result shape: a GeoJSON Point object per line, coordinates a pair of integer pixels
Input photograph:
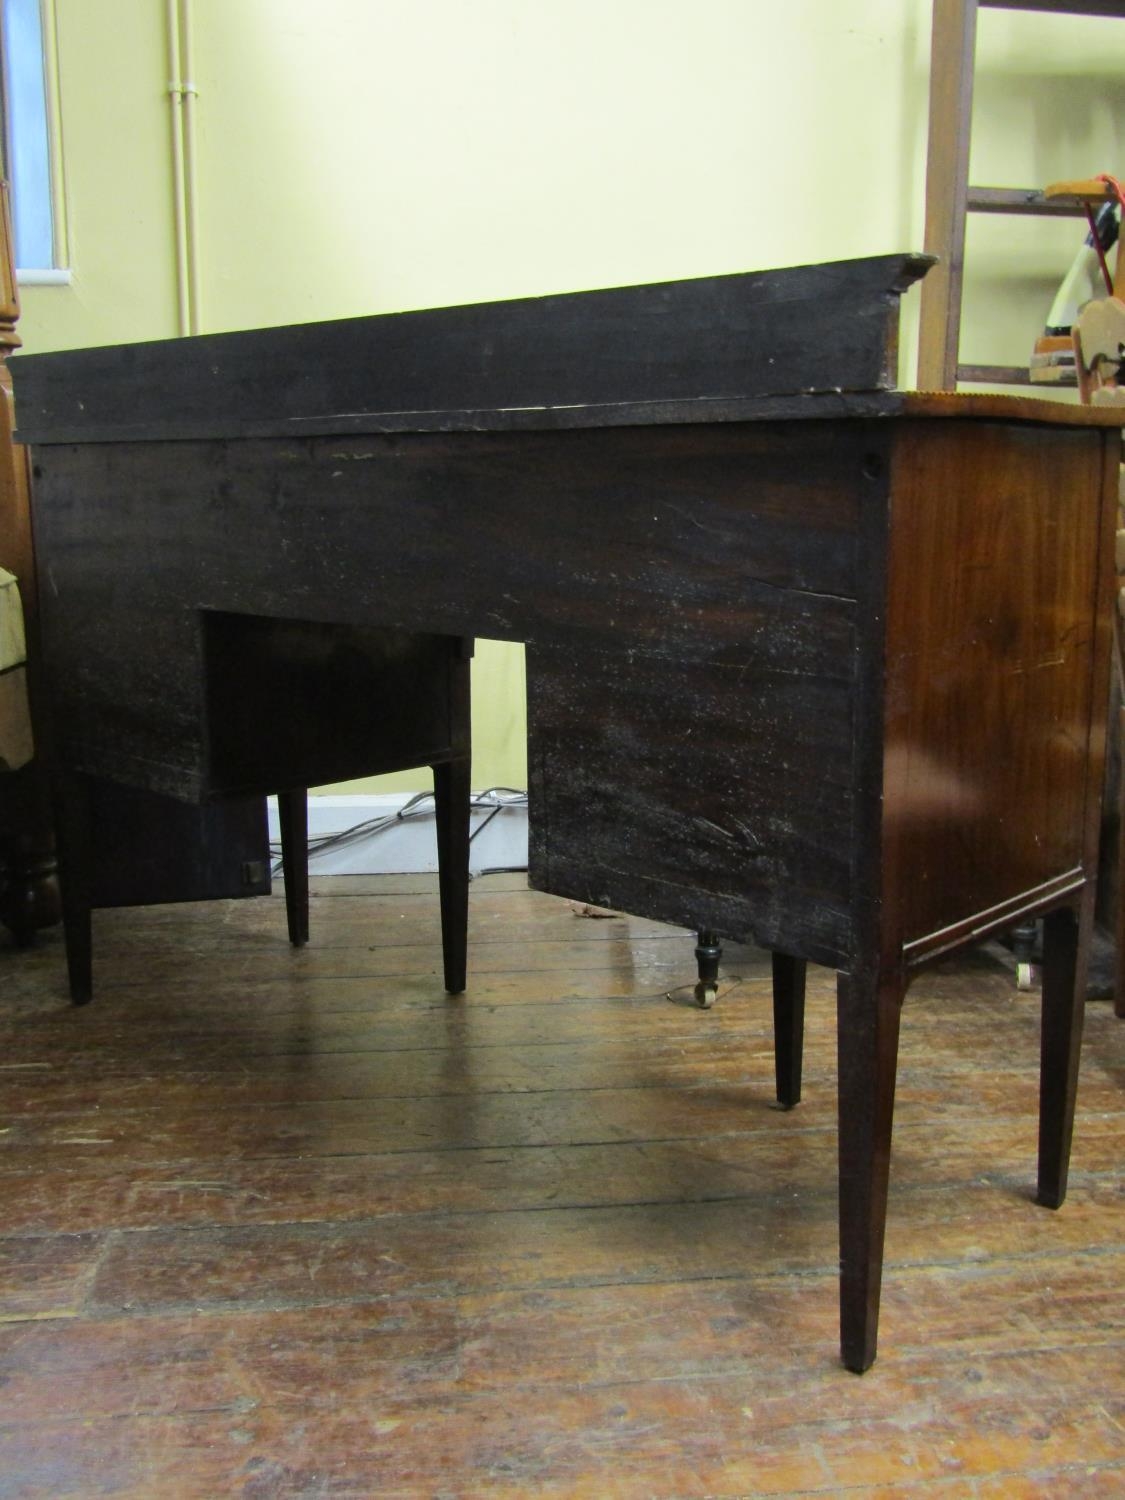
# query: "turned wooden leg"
{"type": "Point", "coordinates": [1066, 939]}
{"type": "Point", "coordinates": [708, 957]}
{"type": "Point", "coordinates": [74, 837]}
{"type": "Point", "coordinates": [788, 1026]}
{"type": "Point", "coordinates": [29, 884]}
{"type": "Point", "coordinates": [293, 816]}
{"type": "Point", "coordinates": [867, 1010]}
{"type": "Point", "coordinates": [451, 799]}
{"type": "Point", "coordinates": [30, 892]}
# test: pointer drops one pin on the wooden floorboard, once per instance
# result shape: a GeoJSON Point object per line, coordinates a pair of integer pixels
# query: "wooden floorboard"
{"type": "Point", "coordinates": [295, 1224]}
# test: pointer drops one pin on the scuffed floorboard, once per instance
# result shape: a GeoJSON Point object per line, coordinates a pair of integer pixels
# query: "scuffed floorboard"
{"type": "Point", "coordinates": [295, 1224]}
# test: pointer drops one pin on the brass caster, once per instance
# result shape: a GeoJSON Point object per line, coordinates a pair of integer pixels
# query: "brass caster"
{"type": "Point", "coordinates": [706, 994]}
{"type": "Point", "coordinates": [1025, 976]}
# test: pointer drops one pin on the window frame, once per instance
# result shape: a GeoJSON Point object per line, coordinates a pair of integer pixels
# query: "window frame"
{"type": "Point", "coordinates": [33, 167]}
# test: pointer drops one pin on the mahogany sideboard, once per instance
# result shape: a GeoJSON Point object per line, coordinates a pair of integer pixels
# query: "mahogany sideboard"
{"type": "Point", "coordinates": [812, 662]}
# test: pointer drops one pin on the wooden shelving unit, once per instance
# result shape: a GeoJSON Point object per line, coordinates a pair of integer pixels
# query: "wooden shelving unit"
{"type": "Point", "coordinates": [950, 198]}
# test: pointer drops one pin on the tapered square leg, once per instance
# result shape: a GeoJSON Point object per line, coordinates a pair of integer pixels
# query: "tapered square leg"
{"type": "Point", "coordinates": [867, 1020]}
{"type": "Point", "coordinates": [451, 799]}
{"type": "Point", "coordinates": [1065, 950]}
{"type": "Point", "coordinates": [293, 815]}
{"type": "Point", "coordinates": [788, 1026]}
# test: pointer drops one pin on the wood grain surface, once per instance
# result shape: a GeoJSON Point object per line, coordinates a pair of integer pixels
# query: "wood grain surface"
{"type": "Point", "coordinates": [292, 1223]}
{"type": "Point", "coordinates": [990, 697]}
{"type": "Point", "coordinates": [643, 353]}
{"type": "Point", "coordinates": [637, 535]}
{"type": "Point", "coordinates": [774, 690]}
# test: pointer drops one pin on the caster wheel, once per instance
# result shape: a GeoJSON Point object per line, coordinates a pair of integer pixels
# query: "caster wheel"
{"type": "Point", "coordinates": [1025, 976]}
{"type": "Point", "coordinates": [706, 995]}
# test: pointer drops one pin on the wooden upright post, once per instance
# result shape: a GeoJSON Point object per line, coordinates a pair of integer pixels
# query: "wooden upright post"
{"type": "Point", "coordinates": [947, 176]}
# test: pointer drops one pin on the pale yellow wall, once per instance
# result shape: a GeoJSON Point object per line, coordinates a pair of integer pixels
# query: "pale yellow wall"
{"type": "Point", "coordinates": [369, 155]}
{"type": "Point", "coordinates": [117, 181]}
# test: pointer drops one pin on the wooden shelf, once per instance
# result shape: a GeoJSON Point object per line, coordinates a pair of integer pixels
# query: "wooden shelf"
{"type": "Point", "coordinates": [994, 374]}
{"type": "Point", "coordinates": [1062, 7]}
{"type": "Point", "coordinates": [1030, 201]}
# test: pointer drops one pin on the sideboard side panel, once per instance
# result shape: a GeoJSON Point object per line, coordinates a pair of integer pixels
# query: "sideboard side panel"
{"type": "Point", "coordinates": [993, 695]}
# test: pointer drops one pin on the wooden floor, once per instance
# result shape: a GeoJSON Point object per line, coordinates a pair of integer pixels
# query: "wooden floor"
{"type": "Point", "coordinates": [296, 1224]}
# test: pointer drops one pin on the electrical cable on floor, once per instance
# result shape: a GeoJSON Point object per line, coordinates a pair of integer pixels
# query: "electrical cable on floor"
{"type": "Point", "coordinates": [482, 826]}
{"type": "Point", "coordinates": [495, 798]}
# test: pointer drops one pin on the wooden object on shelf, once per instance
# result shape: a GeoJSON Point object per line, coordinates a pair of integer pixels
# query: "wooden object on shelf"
{"type": "Point", "coordinates": [1098, 337]}
{"type": "Point", "coordinates": [1092, 193]}
{"type": "Point", "coordinates": [766, 696]}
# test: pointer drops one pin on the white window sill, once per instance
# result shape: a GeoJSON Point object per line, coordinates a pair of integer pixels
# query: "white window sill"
{"type": "Point", "coordinates": [43, 278]}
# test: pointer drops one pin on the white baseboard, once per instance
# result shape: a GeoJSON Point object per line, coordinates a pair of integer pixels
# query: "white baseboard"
{"type": "Point", "coordinates": [407, 847]}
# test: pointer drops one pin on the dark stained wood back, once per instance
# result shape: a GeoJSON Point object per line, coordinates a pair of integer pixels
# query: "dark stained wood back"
{"type": "Point", "coordinates": [530, 362]}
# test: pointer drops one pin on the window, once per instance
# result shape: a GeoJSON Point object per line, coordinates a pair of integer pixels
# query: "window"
{"type": "Point", "coordinates": [27, 141]}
